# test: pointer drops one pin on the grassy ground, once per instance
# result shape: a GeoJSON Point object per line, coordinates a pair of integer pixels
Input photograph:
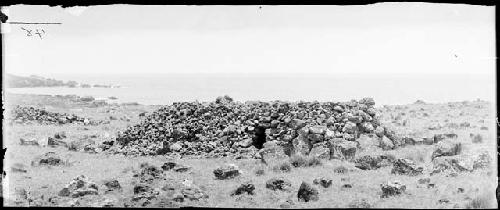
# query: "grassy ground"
{"type": "Point", "coordinates": [479, 185]}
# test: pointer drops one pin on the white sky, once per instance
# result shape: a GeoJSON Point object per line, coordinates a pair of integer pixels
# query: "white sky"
{"type": "Point", "coordinates": [379, 38]}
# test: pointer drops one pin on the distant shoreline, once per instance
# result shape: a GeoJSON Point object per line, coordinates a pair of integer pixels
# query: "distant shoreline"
{"type": "Point", "coordinates": [34, 81]}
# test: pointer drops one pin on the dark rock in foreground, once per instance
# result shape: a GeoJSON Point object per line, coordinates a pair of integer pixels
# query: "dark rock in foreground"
{"type": "Point", "coordinates": [227, 172]}
{"type": "Point", "coordinates": [279, 183]}
{"type": "Point", "coordinates": [307, 193]}
{"type": "Point", "coordinates": [392, 188]}
{"type": "Point", "coordinates": [79, 186]}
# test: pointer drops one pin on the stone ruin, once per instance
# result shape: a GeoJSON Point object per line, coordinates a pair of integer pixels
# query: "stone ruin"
{"type": "Point", "coordinates": [226, 127]}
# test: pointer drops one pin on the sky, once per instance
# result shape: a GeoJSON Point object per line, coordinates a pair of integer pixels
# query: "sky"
{"type": "Point", "coordinates": [404, 38]}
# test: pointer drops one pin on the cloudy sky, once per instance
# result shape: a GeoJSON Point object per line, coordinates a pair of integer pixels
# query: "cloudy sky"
{"type": "Point", "coordinates": [379, 38]}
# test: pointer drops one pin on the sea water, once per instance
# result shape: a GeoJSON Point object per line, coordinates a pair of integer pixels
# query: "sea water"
{"type": "Point", "coordinates": [385, 89]}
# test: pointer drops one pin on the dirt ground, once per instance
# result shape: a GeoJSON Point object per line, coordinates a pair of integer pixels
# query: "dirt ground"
{"type": "Point", "coordinates": [42, 184]}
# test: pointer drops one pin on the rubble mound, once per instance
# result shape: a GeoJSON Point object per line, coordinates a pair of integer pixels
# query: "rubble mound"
{"type": "Point", "coordinates": [227, 127]}
{"type": "Point", "coordinates": [21, 114]}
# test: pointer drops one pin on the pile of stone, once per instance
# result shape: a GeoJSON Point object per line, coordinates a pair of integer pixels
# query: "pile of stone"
{"type": "Point", "coordinates": [21, 114]}
{"type": "Point", "coordinates": [226, 127]}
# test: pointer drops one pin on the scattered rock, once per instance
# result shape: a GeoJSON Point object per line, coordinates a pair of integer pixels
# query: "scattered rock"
{"type": "Point", "coordinates": [78, 187]}
{"type": "Point", "coordinates": [279, 183]}
{"type": "Point", "coordinates": [424, 180]}
{"type": "Point", "coordinates": [227, 172]}
{"type": "Point", "coordinates": [48, 159]}
{"type": "Point", "coordinates": [23, 141]}
{"type": "Point", "coordinates": [326, 183]}
{"type": "Point", "coordinates": [406, 167]}
{"type": "Point", "coordinates": [446, 148]}
{"type": "Point", "coordinates": [392, 188]}
{"type": "Point", "coordinates": [247, 187]}
{"type": "Point", "coordinates": [112, 185]}
{"type": "Point", "coordinates": [194, 193]}
{"type": "Point", "coordinates": [307, 193]}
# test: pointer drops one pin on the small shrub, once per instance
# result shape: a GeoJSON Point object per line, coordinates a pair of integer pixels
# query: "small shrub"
{"type": "Point", "coordinates": [340, 170]}
{"type": "Point", "coordinates": [283, 167]}
{"type": "Point", "coordinates": [298, 161]}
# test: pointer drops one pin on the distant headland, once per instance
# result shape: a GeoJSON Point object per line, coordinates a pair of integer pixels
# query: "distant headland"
{"type": "Point", "coordinates": [14, 81]}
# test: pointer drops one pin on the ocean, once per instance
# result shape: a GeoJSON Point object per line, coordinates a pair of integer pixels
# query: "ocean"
{"type": "Point", "coordinates": [386, 89]}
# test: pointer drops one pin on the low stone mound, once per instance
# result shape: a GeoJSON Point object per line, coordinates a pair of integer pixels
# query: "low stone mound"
{"type": "Point", "coordinates": [21, 114]}
{"type": "Point", "coordinates": [226, 127]}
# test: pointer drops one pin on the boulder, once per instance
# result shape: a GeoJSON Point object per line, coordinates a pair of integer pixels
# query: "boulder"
{"type": "Point", "coordinates": [317, 129]}
{"type": "Point", "coordinates": [296, 124]}
{"type": "Point", "coordinates": [379, 131]}
{"type": "Point", "coordinates": [392, 188]}
{"type": "Point", "coordinates": [81, 144]}
{"type": "Point", "coordinates": [367, 127]}
{"type": "Point", "coordinates": [301, 145]}
{"type": "Point", "coordinates": [386, 144]}
{"type": "Point", "coordinates": [23, 141]}
{"type": "Point", "coordinates": [78, 187]}
{"type": "Point", "coordinates": [176, 147]}
{"type": "Point", "coordinates": [307, 193]}
{"type": "Point", "coordinates": [368, 162]}
{"type": "Point", "coordinates": [342, 149]}
{"type": "Point", "coordinates": [326, 183]}
{"type": "Point", "coordinates": [175, 167]}
{"type": "Point", "coordinates": [227, 172]}
{"type": "Point", "coordinates": [246, 187]}
{"type": "Point", "coordinates": [279, 183]}
{"type": "Point", "coordinates": [48, 159]}
{"type": "Point", "coordinates": [194, 193]}
{"type": "Point", "coordinates": [320, 150]}
{"type": "Point", "coordinates": [446, 148]}
{"type": "Point", "coordinates": [453, 164]}
{"type": "Point", "coordinates": [245, 143]}
{"type": "Point", "coordinates": [272, 154]}
{"type": "Point", "coordinates": [112, 185]}
{"type": "Point", "coordinates": [406, 167]}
